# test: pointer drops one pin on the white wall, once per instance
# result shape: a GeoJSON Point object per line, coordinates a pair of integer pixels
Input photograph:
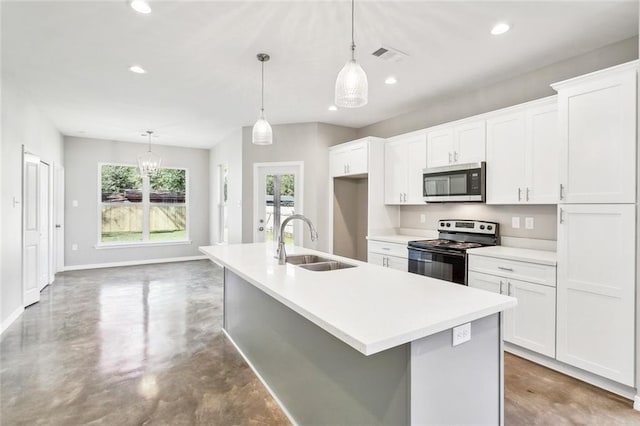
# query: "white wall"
{"type": "Point", "coordinates": [229, 152]}
{"type": "Point", "coordinates": [82, 156]}
{"type": "Point", "coordinates": [22, 123]}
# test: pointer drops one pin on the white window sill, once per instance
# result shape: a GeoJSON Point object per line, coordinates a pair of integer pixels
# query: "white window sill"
{"type": "Point", "coordinates": [101, 246]}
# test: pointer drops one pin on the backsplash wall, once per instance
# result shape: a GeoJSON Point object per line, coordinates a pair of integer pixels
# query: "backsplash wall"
{"type": "Point", "coordinates": [545, 217]}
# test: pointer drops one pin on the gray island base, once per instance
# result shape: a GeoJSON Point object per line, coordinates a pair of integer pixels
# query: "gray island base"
{"type": "Point", "coordinates": [319, 379]}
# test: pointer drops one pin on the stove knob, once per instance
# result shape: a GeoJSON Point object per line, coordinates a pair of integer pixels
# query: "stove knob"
{"type": "Point", "coordinates": [442, 224]}
{"type": "Point", "coordinates": [489, 227]}
{"type": "Point", "coordinates": [481, 226]}
{"type": "Point", "coordinates": [448, 224]}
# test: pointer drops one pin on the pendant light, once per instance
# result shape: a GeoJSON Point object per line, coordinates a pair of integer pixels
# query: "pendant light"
{"type": "Point", "coordinates": [262, 134]}
{"type": "Point", "coordinates": [149, 163]}
{"type": "Point", "coordinates": [352, 87]}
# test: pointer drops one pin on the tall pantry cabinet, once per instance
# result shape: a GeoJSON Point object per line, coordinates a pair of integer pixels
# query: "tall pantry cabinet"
{"type": "Point", "coordinates": [597, 253]}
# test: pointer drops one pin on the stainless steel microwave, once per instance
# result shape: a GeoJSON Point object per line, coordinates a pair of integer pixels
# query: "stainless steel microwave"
{"type": "Point", "coordinates": [457, 183]}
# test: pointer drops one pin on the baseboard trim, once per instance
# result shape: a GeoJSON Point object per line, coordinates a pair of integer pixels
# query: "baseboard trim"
{"type": "Point", "coordinates": [593, 379]}
{"type": "Point", "coordinates": [133, 263]}
{"type": "Point", "coordinates": [266, 385]}
{"type": "Point", "coordinates": [11, 318]}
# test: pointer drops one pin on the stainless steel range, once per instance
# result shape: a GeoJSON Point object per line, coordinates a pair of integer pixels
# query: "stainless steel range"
{"type": "Point", "coordinates": [446, 257]}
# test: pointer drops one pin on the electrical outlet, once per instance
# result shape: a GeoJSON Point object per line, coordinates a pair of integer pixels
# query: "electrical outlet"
{"type": "Point", "coordinates": [515, 222]}
{"type": "Point", "coordinates": [528, 223]}
{"type": "Point", "coordinates": [461, 334]}
{"type": "Point", "coordinates": [74, 247]}
{"type": "Point", "coordinates": [423, 218]}
{"type": "Point", "coordinates": [74, 203]}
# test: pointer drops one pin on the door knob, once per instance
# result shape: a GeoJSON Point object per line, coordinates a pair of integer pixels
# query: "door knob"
{"type": "Point", "coordinates": [261, 228]}
{"type": "Point", "coordinates": [58, 226]}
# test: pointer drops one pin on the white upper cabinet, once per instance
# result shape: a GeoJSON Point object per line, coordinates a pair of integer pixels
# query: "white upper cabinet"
{"type": "Point", "coordinates": [405, 158]}
{"type": "Point", "coordinates": [596, 289]}
{"type": "Point", "coordinates": [348, 160]}
{"type": "Point", "coordinates": [522, 155]}
{"type": "Point", "coordinates": [506, 149]}
{"type": "Point", "coordinates": [598, 136]}
{"type": "Point", "coordinates": [458, 144]}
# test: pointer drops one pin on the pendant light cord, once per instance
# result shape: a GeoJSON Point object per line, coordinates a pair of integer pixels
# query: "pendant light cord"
{"type": "Point", "coordinates": [149, 133]}
{"type": "Point", "coordinates": [353, 43]}
{"type": "Point", "coordinates": [262, 101]}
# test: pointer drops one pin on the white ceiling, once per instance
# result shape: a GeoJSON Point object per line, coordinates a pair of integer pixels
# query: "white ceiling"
{"type": "Point", "coordinates": [203, 79]}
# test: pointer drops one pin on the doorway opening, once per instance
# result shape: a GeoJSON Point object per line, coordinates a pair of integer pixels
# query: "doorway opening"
{"type": "Point", "coordinates": [278, 194]}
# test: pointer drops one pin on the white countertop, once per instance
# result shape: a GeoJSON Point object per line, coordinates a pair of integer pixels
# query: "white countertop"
{"type": "Point", "coordinates": [541, 257]}
{"type": "Point", "coordinates": [371, 308]}
{"type": "Point", "coordinates": [397, 238]}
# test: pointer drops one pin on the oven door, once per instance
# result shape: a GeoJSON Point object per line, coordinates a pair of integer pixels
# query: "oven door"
{"type": "Point", "coordinates": [441, 264]}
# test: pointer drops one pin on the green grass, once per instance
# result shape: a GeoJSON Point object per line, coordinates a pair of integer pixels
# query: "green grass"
{"type": "Point", "coordinates": [123, 237]}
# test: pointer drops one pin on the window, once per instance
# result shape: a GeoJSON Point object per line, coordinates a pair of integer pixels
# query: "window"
{"type": "Point", "coordinates": [135, 209]}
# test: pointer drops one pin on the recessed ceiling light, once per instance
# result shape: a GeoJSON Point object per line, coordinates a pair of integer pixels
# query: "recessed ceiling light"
{"type": "Point", "coordinates": [333, 108]}
{"type": "Point", "coordinates": [141, 6]}
{"type": "Point", "coordinates": [500, 28]}
{"type": "Point", "coordinates": [391, 80]}
{"type": "Point", "coordinates": [137, 69]}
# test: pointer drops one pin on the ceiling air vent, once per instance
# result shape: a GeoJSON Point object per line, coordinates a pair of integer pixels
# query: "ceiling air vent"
{"type": "Point", "coordinates": [389, 54]}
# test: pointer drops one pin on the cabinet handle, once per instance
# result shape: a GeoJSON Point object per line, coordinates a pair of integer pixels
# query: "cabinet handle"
{"type": "Point", "coordinates": [509, 288]}
{"type": "Point", "coordinates": [527, 194]}
{"type": "Point", "coordinates": [450, 158]}
{"type": "Point", "coordinates": [502, 268]}
{"type": "Point", "coordinates": [401, 197]}
{"type": "Point", "coordinates": [455, 156]}
{"type": "Point", "coordinates": [519, 194]}
{"type": "Point", "coordinates": [501, 284]}
{"type": "Point", "coordinates": [404, 197]}
{"type": "Point", "coordinates": [344, 169]}
{"type": "Point", "coordinates": [386, 262]}
{"type": "Point", "coordinates": [561, 216]}
{"type": "Point", "coordinates": [561, 191]}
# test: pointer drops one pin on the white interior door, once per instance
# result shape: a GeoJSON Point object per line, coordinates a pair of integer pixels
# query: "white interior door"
{"type": "Point", "coordinates": [45, 217]}
{"type": "Point", "coordinates": [59, 219]}
{"type": "Point", "coordinates": [31, 230]}
{"type": "Point", "coordinates": [277, 195]}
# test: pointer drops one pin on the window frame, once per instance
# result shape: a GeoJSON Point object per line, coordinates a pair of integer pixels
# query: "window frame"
{"type": "Point", "coordinates": [146, 206]}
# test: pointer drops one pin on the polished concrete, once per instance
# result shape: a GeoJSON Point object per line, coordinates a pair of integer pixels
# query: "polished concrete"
{"type": "Point", "coordinates": [143, 345]}
{"type": "Point", "coordinates": [129, 346]}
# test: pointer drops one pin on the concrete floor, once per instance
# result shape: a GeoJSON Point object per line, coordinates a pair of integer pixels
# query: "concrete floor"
{"type": "Point", "coordinates": [143, 345]}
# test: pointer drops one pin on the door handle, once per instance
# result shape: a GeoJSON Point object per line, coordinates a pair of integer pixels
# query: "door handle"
{"type": "Point", "coordinates": [348, 168]}
{"type": "Point", "coordinates": [344, 168]}
{"type": "Point", "coordinates": [401, 197]}
{"type": "Point", "coordinates": [455, 156]}
{"type": "Point", "coordinates": [404, 197]}
{"type": "Point", "coordinates": [58, 225]}
{"type": "Point", "coordinates": [509, 288]}
{"type": "Point", "coordinates": [561, 216]}
{"type": "Point", "coordinates": [502, 268]}
{"type": "Point", "coordinates": [450, 158]}
{"type": "Point", "coordinates": [261, 228]}
{"type": "Point", "coordinates": [561, 191]}
{"type": "Point", "coordinates": [527, 194]}
{"type": "Point", "coordinates": [519, 194]}
{"type": "Point", "coordinates": [501, 284]}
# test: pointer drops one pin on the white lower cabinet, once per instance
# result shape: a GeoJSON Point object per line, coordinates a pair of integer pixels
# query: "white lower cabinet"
{"type": "Point", "coordinates": [531, 324]}
{"type": "Point", "coordinates": [596, 289]}
{"type": "Point", "coordinates": [389, 255]}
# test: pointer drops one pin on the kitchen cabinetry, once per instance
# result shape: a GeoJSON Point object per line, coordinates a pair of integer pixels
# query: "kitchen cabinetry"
{"type": "Point", "coordinates": [405, 158]}
{"type": "Point", "coordinates": [522, 155]}
{"type": "Point", "coordinates": [598, 115]}
{"type": "Point", "coordinates": [596, 289]}
{"type": "Point", "coordinates": [390, 255]}
{"type": "Point", "coordinates": [349, 159]}
{"type": "Point", "coordinates": [531, 324]}
{"type": "Point", "coordinates": [458, 144]}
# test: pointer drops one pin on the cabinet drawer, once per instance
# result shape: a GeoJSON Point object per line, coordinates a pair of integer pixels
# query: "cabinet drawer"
{"type": "Point", "coordinates": [391, 249]}
{"type": "Point", "coordinates": [525, 271]}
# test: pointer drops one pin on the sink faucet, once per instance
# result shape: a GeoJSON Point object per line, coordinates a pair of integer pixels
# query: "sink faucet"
{"type": "Point", "coordinates": [281, 254]}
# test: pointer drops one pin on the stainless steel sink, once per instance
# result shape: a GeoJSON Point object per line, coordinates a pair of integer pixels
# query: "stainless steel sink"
{"type": "Point", "coordinates": [329, 265]}
{"type": "Point", "coordinates": [303, 259]}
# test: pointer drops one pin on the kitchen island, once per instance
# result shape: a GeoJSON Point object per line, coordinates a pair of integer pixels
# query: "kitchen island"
{"type": "Point", "coordinates": [363, 345]}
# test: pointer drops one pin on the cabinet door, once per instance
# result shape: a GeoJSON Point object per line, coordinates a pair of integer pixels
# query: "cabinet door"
{"type": "Point", "coordinates": [485, 282]}
{"type": "Point", "coordinates": [598, 139]}
{"type": "Point", "coordinates": [532, 324]}
{"type": "Point", "coordinates": [357, 161]}
{"type": "Point", "coordinates": [376, 259]}
{"type": "Point", "coordinates": [543, 162]}
{"type": "Point", "coordinates": [416, 162]}
{"type": "Point", "coordinates": [469, 142]}
{"type": "Point", "coordinates": [399, 263]}
{"type": "Point", "coordinates": [395, 172]}
{"type": "Point", "coordinates": [440, 148]}
{"type": "Point", "coordinates": [506, 159]}
{"type": "Point", "coordinates": [338, 163]}
{"type": "Point", "coordinates": [596, 289]}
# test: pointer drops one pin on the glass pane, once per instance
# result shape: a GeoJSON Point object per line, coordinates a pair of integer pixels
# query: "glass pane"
{"type": "Point", "coordinates": [121, 193]}
{"type": "Point", "coordinates": [168, 208]}
{"type": "Point", "coordinates": [458, 184]}
{"type": "Point", "coordinates": [279, 206]}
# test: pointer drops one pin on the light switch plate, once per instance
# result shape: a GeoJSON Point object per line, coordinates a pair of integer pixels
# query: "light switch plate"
{"type": "Point", "coordinates": [74, 203]}
{"type": "Point", "coordinates": [461, 334]}
{"type": "Point", "coordinates": [74, 247]}
{"type": "Point", "coordinates": [515, 222]}
{"type": "Point", "coordinates": [423, 218]}
{"type": "Point", "coordinates": [528, 223]}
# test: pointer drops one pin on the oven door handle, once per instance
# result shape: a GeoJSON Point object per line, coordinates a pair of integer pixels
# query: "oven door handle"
{"type": "Point", "coordinates": [422, 260]}
{"type": "Point", "coordinates": [444, 252]}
